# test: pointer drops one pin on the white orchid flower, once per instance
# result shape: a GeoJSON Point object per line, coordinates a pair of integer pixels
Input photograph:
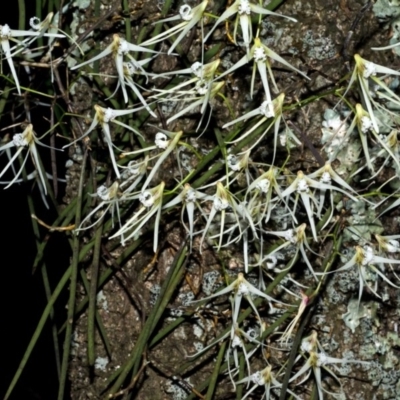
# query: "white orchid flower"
{"type": "Point", "coordinates": [292, 237]}
{"type": "Point", "coordinates": [119, 48]}
{"type": "Point", "coordinates": [110, 198]}
{"type": "Point", "coordinates": [391, 143]}
{"type": "Point", "coordinates": [261, 55]}
{"type": "Point", "coordinates": [7, 34]}
{"type": "Point", "coordinates": [269, 110]}
{"type": "Point", "coordinates": [364, 122]}
{"type": "Point", "coordinates": [20, 141]}
{"type": "Point", "coordinates": [260, 193]}
{"type": "Point", "coordinates": [264, 378]}
{"type": "Point", "coordinates": [302, 187]}
{"type": "Point", "coordinates": [244, 9]}
{"type": "Point", "coordinates": [134, 171]}
{"type": "Point", "coordinates": [203, 82]}
{"type": "Point", "coordinates": [238, 164]}
{"type": "Point", "coordinates": [237, 341]}
{"type": "Point", "coordinates": [319, 359]}
{"type": "Point", "coordinates": [130, 69]}
{"type": "Point", "coordinates": [189, 198]}
{"type": "Point", "coordinates": [366, 260]}
{"type": "Point", "coordinates": [222, 201]}
{"type": "Point", "coordinates": [40, 27]}
{"type": "Point", "coordinates": [168, 146]}
{"type": "Point", "coordinates": [164, 140]}
{"type": "Point", "coordinates": [242, 288]}
{"type": "Point", "coordinates": [198, 69]}
{"type": "Point", "coordinates": [102, 117]}
{"type": "Point", "coordinates": [326, 175]}
{"type": "Point", "coordinates": [364, 71]}
{"type": "Point", "coordinates": [151, 200]}
{"type": "Point", "coordinates": [202, 93]}
{"type": "Point", "coordinates": [389, 244]}
{"type": "Point", "coordinates": [190, 17]}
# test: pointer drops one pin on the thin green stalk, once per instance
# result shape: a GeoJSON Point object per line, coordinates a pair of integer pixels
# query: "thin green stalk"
{"type": "Point", "coordinates": [46, 282]}
{"type": "Point", "coordinates": [106, 274]}
{"type": "Point", "coordinates": [326, 265]}
{"type": "Point", "coordinates": [38, 9]}
{"type": "Point", "coordinates": [274, 4]}
{"type": "Point", "coordinates": [73, 285]}
{"type": "Point", "coordinates": [215, 374]}
{"type": "Point", "coordinates": [62, 220]}
{"type": "Point", "coordinates": [244, 314]}
{"type": "Point", "coordinates": [3, 99]}
{"type": "Point", "coordinates": [21, 14]}
{"type": "Point", "coordinates": [99, 322]}
{"type": "Point", "coordinates": [128, 29]}
{"type": "Point", "coordinates": [49, 307]}
{"type": "Point", "coordinates": [200, 388]}
{"type": "Point", "coordinates": [173, 278]}
{"type": "Point", "coordinates": [43, 319]}
{"type": "Point", "coordinates": [94, 275]}
{"type": "Point", "coordinates": [169, 328]}
{"type": "Point", "coordinates": [242, 367]}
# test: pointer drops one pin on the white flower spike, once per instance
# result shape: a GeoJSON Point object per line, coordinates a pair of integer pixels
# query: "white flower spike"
{"type": "Point", "coordinates": [222, 200]}
{"type": "Point", "coordinates": [244, 9]}
{"type": "Point", "coordinates": [189, 198]}
{"type": "Point", "coordinates": [151, 200]}
{"type": "Point", "coordinates": [260, 192]}
{"type": "Point", "coordinates": [190, 18]}
{"type": "Point", "coordinates": [364, 71]}
{"type": "Point", "coordinates": [302, 187]}
{"type": "Point", "coordinates": [326, 175]}
{"type": "Point", "coordinates": [261, 55]}
{"type": "Point", "coordinates": [102, 117]}
{"type": "Point", "coordinates": [319, 359]}
{"type": "Point", "coordinates": [164, 140]}
{"type": "Point", "coordinates": [269, 110]}
{"type": "Point", "coordinates": [130, 69]}
{"type": "Point", "coordinates": [242, 288]}
{"type": "Point", "coordinates": [7, 35]}
{"type": "Point", "coordinates": [364, 122]}
{"type": "Point", "coordinates": [134, 171]}
{"type": "Point", "coordinates": [366, 260]}
{"type": "Point", "coordinates": [167, 145]}
{"type": "Point", "coordinates": [202, 93]}
{"type": "Point", "coordinates": [119, 48]}
{"type": "Point", "coordinates": [295, 237]}
{"type": "Point", "coordinates": [110, 198]}
{"type": "Point", "coordinates": [22, 140]}
{"type": "Point", "coordinates": [264, 377]}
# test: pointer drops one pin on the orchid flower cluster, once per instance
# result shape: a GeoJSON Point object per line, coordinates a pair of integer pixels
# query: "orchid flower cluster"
{"type": "Point", "coordinates": [280, 214]}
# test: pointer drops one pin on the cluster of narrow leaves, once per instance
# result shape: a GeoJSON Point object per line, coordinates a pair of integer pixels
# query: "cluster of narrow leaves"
{"type": "Point", "coordinates": [277, 216]}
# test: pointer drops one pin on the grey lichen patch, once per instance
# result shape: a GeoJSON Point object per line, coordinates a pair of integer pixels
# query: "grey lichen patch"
{"type": "Point", "coordinates": [355, 312]}
{"type": "Point", "coordinates": [211, 281]}
{"type": "Point", "coordinates": [362, 223]}
{"type": "Point", "coordinates": [318, 47]}
{"type": "Point", "coordinates": [386, 9]}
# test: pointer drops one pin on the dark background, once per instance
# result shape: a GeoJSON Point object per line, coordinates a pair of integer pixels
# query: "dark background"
{"type": "Point", "coordinates": [22, 296]}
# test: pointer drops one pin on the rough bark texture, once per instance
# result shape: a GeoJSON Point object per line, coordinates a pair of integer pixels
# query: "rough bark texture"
{"type": "Point", "coordinates": [321, 44]}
